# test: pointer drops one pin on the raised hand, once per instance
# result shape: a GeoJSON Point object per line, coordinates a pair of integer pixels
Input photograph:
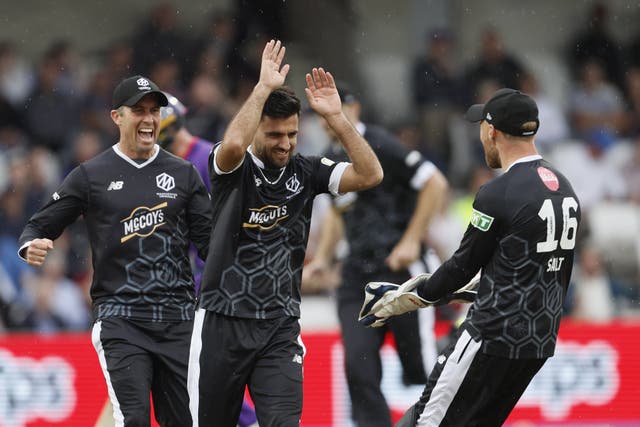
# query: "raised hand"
{"type": "Point", "coordinates": [272, 72]}
{"type": "Point", "coordinates": [322, 92]}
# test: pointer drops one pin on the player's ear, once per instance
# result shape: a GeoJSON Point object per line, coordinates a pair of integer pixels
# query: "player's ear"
{"type": "Point", "coordinates": [491, 131]}
{"type": "Point", "coordinates": [115, 116]}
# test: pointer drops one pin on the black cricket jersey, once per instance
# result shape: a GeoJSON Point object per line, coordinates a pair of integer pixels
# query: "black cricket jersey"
{"type": "Point", "coordinates": [260, 229]}
{"type": "Point", "coordinates": [140, 219]}
{"type": "Point", "coordinates": [375, 219]}
{"type": "Point", "coordinates": [522, 235]}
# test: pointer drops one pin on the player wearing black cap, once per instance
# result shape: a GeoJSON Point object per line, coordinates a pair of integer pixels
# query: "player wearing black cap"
{"type": "Point", "coordinates": [142, 206]}
{"type": "Point", "coordinates": [521, 237]}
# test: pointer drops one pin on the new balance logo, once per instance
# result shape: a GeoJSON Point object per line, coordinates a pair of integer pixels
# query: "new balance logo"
{"type": "Point", "coordinates": [115, 185]}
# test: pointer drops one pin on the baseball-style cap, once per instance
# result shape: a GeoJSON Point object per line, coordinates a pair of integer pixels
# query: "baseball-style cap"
{"type": "Point", "coordinates": [347, 95]}
{"type": "Point", "coordinates": [507, 110]}
{"type": "Point", "coordinates": [132, 89]}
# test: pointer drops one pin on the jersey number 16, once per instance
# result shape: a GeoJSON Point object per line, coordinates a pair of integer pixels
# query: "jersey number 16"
{"type": "Point", "coordinates": [569, 225]}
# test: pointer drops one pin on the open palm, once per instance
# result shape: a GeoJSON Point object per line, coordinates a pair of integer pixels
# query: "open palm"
{"type": "Point", "coordinates": [322, 93]}
{"type": "Point", "coordinates": [271, 75]}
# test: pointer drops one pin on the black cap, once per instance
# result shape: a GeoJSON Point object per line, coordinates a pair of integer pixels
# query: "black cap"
{"type": "Point", "coordinates": [507, 110]}
{"type": "Point", "coordinates": [132, 89]}
{"type": "Point", "coordinates": [347, 95]}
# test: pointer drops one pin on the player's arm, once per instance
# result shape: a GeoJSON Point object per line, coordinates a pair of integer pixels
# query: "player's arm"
{"type": "Point", "coordinates": [365, 170]}
{"type": "Point", "coordinates": [243, 127]}
{"type": "Point", "coordinates": [332, 230]}
{"type": "Point", "coordinates": [428, 204]}
{"type": "Point", "coordinates": [476, 248]}
{"type": "Point", "coordinates": [48, 223]}
{"type": "Point", "coordinates": [199, 214]}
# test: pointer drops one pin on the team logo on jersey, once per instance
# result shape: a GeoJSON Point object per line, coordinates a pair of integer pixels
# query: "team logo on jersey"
{"type": "Point", "coordinates": [481, 221]}
{"type": "Point", "coordinates": [115, 185]}
{"type": "Point", "coordinates": [293, 184]}
{"type": "Point", "coordinates": [266, 217]}
{"type": "Point", "coordinates": [549, 179]}
{"type": "Point", "coordinates": [143, 221]}
{"type": "Point", "coordinates": [165, 182]}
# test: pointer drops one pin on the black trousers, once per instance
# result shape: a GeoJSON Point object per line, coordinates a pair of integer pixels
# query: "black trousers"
{"type": "Point", "coordinates": [228, 354]}
{"type": "Point", "coordinates": [469, 388]}
{"type": "Point", "coordinates": [142, 357]}
{"type": "Point", "coordinates": [363, 365]}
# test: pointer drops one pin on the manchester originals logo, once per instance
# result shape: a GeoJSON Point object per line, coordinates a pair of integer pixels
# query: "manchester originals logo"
{"type": "Point", "coordinates": [165, 182]}
{"type": "Point", "coordinates": [143, 221]}
{"type": "Point", "coordinates": [266, 217]}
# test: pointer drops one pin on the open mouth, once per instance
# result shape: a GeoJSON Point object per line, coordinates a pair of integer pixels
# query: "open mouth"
{"type": "Point", "coordinates": [145, 134]}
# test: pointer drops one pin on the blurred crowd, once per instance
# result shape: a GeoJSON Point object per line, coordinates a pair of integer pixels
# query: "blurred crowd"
{"type": "Point", "coordinates": [54, 114]}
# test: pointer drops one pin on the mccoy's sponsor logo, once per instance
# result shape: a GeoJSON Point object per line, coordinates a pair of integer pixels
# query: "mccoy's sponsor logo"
{"type": "Point", "coordinates": [576, 375]}
{"type": "Point", "coordinates": [266, 217]}
{"type": "Point", "coordinates": [35, 390]}
{"type": "Point", "coordinates": [143, 221]}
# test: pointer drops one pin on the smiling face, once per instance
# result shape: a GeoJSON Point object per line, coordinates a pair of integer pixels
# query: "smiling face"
{"type": "Point", "coordinates": [139, 126]}
{"type": "Point", "coordinates": [276, 140]}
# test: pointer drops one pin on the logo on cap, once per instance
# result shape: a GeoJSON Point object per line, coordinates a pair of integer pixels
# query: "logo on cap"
{"type": "Point", "coordinates": [143, 84]}
{"type": "Point", "coordinates": [489, 116]}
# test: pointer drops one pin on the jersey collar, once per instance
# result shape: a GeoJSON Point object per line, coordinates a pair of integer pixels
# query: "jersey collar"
{"type": "Point", "coordinates": [261, 167]}
{"type": "Point", "coordinates": [133, 162]}
{"type": "Point", "coordinates": [524, 160]}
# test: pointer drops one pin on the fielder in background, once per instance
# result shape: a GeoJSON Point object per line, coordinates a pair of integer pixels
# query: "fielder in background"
{"type": "Point", "coordinates": [247, 330]}
{"type": "Point", "coordinates": [385, 228]}
{"type": "Point", "coordinates": [522, 238]}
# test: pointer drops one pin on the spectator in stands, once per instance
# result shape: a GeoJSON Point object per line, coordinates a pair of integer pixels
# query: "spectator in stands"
{"type": "Point", "coordinates": [59, 304]}
{"type": "Point", "coordinates": [159, 38]}
{"type": "Point", "coordinates": [554, 127]}
{"type": "Point", "coordinates": [633, 101]}
{"type": "Point", "coordinates": [631, 173]}
{"type": "Point", "coordinates": [61, 109]}
{"type": "Point", "coordinates": [16, 77]}
{"type": "Point", "coordinates": [595, 41]}
{"type": "Point", "coordinates": [437, 92]}
{"type": "Point", "coordinates": [208, 112]}
{"type": "Point", "coordinates": [495, 63]}
{"type": "Point", "coordinates": [596, 107]}
{"type": "Point", "coordinates": [593, 297]}
{"type": "Point", "coordinates": [213, 49]}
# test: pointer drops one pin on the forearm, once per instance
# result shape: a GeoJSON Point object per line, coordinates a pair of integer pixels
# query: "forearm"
{"type": "Point", "coordinates": [448, 278]}
{"type": "Point", "coordinates": [242, 128]}
{"type": "Point", "coordinates": [428, 204]}
{"type": "Point", "coordinates": [332, 231]}
{"type": "Point", "coordinates": [366, 166]}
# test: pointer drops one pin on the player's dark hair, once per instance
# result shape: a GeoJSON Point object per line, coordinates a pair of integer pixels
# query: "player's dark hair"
{"type": "Point", "coordinates": [281, 104]}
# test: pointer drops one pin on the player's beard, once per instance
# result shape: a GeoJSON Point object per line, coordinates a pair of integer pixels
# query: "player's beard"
{"type": "Point", "coordinates": [272, 160]}
{"type": "Point", "coordinates": [492, 157]}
